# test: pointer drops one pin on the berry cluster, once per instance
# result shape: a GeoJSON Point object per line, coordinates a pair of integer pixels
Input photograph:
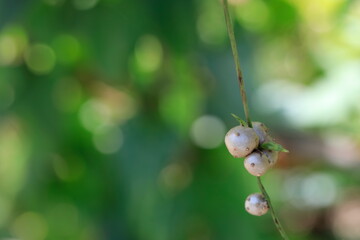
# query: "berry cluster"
{"type": "Point", "coordinates": [260, 152]}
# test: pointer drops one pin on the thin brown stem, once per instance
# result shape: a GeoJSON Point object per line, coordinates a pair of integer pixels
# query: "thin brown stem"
{"type": "Point", "coordinates": [273, 214]}
{"type": "Point", "coordinates": [240, 78]}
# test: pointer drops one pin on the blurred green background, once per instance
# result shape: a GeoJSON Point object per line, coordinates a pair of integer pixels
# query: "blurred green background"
{"type": "Point", "coordinates": [113, 114]}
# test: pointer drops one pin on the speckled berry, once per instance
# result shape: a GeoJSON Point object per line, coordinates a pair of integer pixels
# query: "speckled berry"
{"type": "Point", "coordinates": [262, 131]}
{"type": "Point", "coordinates": [272, 156]}
{"type": "Point", "coordinates": [257, 164]}
{"type": "Point", "coordinates": [241, 141]}
{"type": "Point", "coordinates": [256, 204]}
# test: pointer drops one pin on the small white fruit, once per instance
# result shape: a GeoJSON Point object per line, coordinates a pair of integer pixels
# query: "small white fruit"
{"type": "Point", "coordinates": [256, 204]}
{"type": "Point", "coordinates": [257, 164]}
{"type": "Point", "coordinates": [241, 141]}
{"type": "Point", "coordinates": [272, 156]}
{"type": "Point", "coordinates": [262, 131]}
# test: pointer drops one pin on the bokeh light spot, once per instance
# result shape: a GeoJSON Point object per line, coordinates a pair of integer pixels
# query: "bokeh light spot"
{"type": "Point", "coordinates": [108, 139]}
{"type": "Point", "coordinates": [64, 219]}
{"type": "Point", "coordinates": [7, 95]}
{"type": "Point", "coordinates": [67, 94]}
{"type": "Point", "coordinates": [69, 169]}
{"type": "Point", "coordinates": [180, 105]}
{"type": "Point", "coordinates": [210, 25]}
{"type": "Point", "coordinates": [313, 190]}
{"type": "Point", "coordinates": [30, 226]}
{"type": "Point", "coordinates": [341, 150]}
{"type": "Point", "coordinates": [319, 190]}
{"type": "Point", "coordinates": [61, 169]}
{"type": "Point", "coordinates": [175, 177]}
{"type": "Point", "coordinates": [14, 150]}
{"type": "Point", "coordinates": [8, 50]}
{"type": "Point", "coordinates": [346, 220]}
{"type": "Point", "coordinates": [67, 49]}
{"type": "Point", "coordinates": [54, 2]}
{"type": "Point", "coordinates": [254, 15]}
{"type": "Point", "coordinates": [13, 41]}
{"type": "Point", "coordinates": [148, 53]}
{"type": "Point", "coordinates": [326, 102]}
{"type": "Point", "coordinates": [6, 205]}
{"type": "Point", "coordinates": [208, 132]}
{"type": "Point", "coordinates": [94, 114]}
{"type": "Point", "coordinates": [40, 59]}
{"type": "Point", "coordinates": [109, 107]}
{"type": "Point", "coordinates": [84, 4]}
{"type": "Point", "coordinates": [237, 2]}
{"type": "Point", "coordinates": [120, 103]}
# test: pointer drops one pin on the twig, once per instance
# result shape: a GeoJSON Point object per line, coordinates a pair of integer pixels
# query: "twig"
{"type": "Point", "coordinates": [273, 214]}
{"type": "Point", "coordinates": [230, 30]}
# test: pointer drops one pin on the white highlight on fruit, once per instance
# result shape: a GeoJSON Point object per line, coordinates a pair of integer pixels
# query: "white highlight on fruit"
{"type": "Point", "coordinates": [256, 204]}
{"type": "Point", "coordinates": [257, 164]}
{"type": "Point", "coordinates": [241, 141]}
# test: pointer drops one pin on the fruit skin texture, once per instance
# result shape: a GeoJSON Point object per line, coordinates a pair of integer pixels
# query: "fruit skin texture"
{"type": "Point", "coordinates": [256, 204]}
{"type": "Point", "coordinates": [262, 131]}
{"type": "Point", "coordinates": [257, 164]}
{"type": "Point", "coordinates": [272, 156]}
{"type": "Point", "coordinates": [241, 141]}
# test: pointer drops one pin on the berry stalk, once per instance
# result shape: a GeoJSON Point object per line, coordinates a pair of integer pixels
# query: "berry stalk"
{"type": "Point", "coordinates": [273, 214]}
{"type": "Point", "coordinates": [230, 30]}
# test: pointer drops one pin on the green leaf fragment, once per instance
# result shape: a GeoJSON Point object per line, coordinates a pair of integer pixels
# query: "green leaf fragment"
{"type": "Point", "coordinates": [242, 122]}
{"type": "Point", "coordinates": [273, 146]}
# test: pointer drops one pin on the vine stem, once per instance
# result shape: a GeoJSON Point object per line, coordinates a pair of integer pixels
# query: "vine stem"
{"type": "Point", "coordinates": [273, 214]}
{"type": "Point", "coordinates": [230, 30]}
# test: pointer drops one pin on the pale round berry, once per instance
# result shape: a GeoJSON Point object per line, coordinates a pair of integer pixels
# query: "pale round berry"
{"type": "Point", "coordinates": [257, 164]}
{"type": "Point", "coordinates": [272, 156]}
{"type": "Point", "coordinates": [241, 141]}
{"type": "Point", "coordinates": [262, 131]}
{"type": "Point", "coordinates": [256, 204]}
{"type": "Point", "coordinates": [269, 139]}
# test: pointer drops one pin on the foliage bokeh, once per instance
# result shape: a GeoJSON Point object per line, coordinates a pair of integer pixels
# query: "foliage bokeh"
{"type": "Point", "coordinates": [113, 113]}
